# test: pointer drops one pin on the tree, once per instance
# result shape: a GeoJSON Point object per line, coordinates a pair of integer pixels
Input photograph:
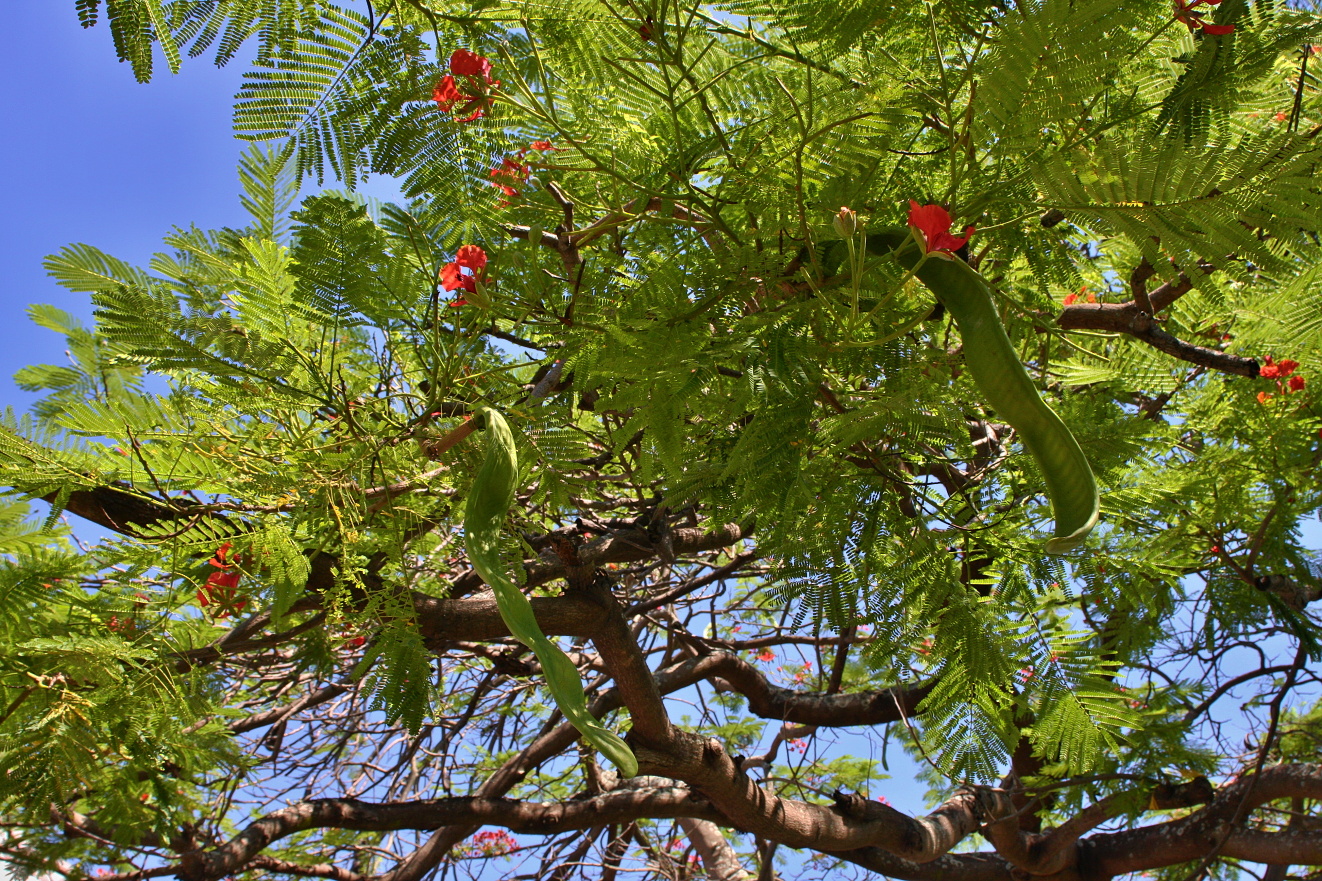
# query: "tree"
{"type": "Point", "coordinates": [777, 476]}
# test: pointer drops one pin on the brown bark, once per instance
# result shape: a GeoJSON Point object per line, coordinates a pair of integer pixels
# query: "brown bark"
{"type": "Point", "coordinates": [520, 816]}
{"type": "Point", "coordinates": [1131, 320]}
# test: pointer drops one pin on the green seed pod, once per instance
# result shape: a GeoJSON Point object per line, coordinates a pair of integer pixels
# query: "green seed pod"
{"type": "Point", "coordinates": [996, 370]}
{"type": "Point", "coordinates": [484, 517]}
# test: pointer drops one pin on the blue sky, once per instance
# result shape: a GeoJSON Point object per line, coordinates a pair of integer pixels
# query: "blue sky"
{"type": "Point", "coordinates": [96, 157]}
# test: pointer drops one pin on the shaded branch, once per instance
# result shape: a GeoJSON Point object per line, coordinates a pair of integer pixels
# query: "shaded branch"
{"type": "Point", "coordinates": [346, 813]}
{"type": "Point", "coordinates": [1129, 319]}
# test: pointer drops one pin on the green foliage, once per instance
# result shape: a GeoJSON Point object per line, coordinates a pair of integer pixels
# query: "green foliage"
{"type": "Point", "coordinates": [686, 344]}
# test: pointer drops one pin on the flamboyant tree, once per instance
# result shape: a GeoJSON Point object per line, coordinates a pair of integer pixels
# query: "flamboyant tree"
{"type": "Point", "coordinates": [621, 495]}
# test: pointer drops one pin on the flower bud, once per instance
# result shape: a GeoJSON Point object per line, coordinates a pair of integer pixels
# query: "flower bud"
{"type": "Point", "coordinates": [845, 223]}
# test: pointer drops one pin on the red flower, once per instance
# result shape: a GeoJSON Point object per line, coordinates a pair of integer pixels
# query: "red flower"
{"type": "Point", "coordinates": [1263, 397]}
{"type": "Point", "coordinates": [447, 94]}
{"type": "Point", "coordinates": [1296, 383]}
{"type": "Point", "coordinates": [544, 146]}
{"type": "Point", "coordinates": [470, 257]}
{"type": "Point", "coordinates": [465, 63]}
{"type": "Point", "coordinates": [933, 222]}
{"type": "Point", "coordinates": [221, 560]}
{"type": "Point", "coordinates": [222, 588]}
{"type": "Point", "coordinates": [1272, 370]}
{"type": "Point", "coordinates": [511, 170]}
{"type": "Point", "coordinates": [1184, 12]}
{"type": "Point", "coordinates": [495, 843]}
{"type": "Point", "coordinates": [766, 655]}
{"type": "Point", "coordinates": [476, 98]}
{"type": "Point", "coordinates": [452, 279]}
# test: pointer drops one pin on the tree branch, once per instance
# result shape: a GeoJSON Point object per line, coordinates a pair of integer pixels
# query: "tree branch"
{"type": "Point", "coordinates": [1129, 319]}
{"type": "Point", "coordinates": [346, 813]}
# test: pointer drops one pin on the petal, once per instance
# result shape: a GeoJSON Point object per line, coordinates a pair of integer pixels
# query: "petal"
{"type": "Point", "coordinates": [451, 278]}
{"type": "Point", "coordinates": [1218, 30]}
{"type": "Point", "coordinates": [471, 257]}
{"type": "Point", "coordinates": [933, 222]}
{"type": "Point", "coordinates": [446, 94]}
{"type": "Point", "coordinates": [465, 63]}
{"type": "Point", "coordinates": [944, 241]}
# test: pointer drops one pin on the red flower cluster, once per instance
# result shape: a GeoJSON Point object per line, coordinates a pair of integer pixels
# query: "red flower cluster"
{"type": "Point", "coordinates": [494, 843]}
{"type": "Point", "coordinates": [1184, 12]}
{"type": "Point", "coordinates": [222, 587]}
{"type": "Point", "coordinates": [511, 172]}
{"type": "Point", "coordinates": [470, 257]}
{"type": "Point", "coordinates": [475, 98]}
{"type": "Point", "coordinates": [934, 222]}
{"type": "Point", "coordinates": [1273, 370]}
{"type": "Point", "coordinates": [1071, 299]}
{"type": "Point", "coordinates": [126, 626]}
{"type": "Point", "coordinates": [1284, 370]}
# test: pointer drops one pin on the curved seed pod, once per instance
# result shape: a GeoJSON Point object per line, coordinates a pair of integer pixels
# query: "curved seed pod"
{"type": "Point", "coordinates": [996, 370]}
{"type": "Point", "coordinates": [484, 516]}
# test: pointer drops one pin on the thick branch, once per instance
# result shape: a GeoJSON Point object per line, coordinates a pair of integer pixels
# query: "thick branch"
{"type": "Point", "coordinates": [1128, 319]}
{"type": "Point", "coordinates": [118, 508]}
{"type": "Point", "coordinates": [705, 765]}
{"type": "Point", "coordinates": [346, 813]}
{"type": "Point", "coordinates": [1193, 837]}
{"type": "Point", "coordinates": [811, 708]}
